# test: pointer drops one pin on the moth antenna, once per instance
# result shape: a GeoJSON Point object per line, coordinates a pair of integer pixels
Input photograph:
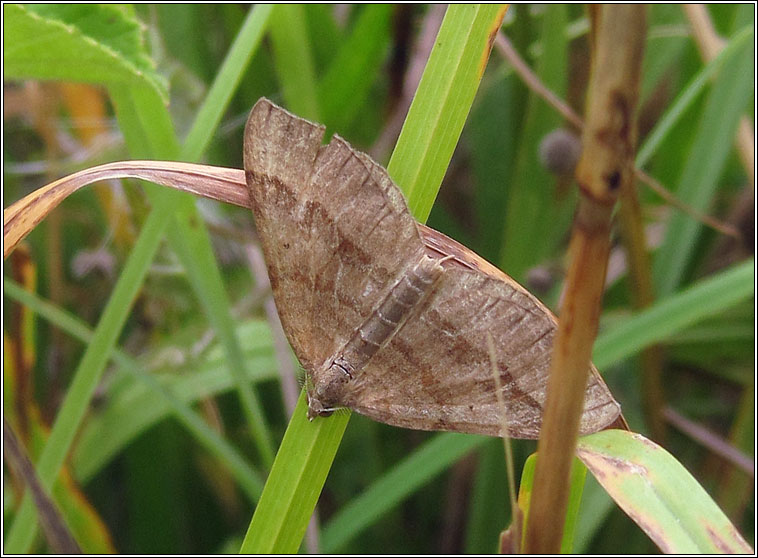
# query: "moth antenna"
{"type": "Point", "coordinates": [340, 410]}
{"type": "Point", "coordinates": [512, 536]}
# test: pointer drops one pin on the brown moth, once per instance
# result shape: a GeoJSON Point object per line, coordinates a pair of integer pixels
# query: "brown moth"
{"type": "Point", "coordinates": [388, 317]}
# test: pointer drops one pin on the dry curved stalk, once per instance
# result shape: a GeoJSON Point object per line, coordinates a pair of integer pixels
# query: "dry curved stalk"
{"type": "Point", "coordinates": [607, 162]}
{"type": "Point", "coordinates": [218, 183]}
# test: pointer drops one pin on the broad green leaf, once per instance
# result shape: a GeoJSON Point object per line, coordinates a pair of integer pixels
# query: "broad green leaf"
{"type": "Point", "coordinates": [94, 43]}
{"type": "Point", "coordinates": [658, 493]}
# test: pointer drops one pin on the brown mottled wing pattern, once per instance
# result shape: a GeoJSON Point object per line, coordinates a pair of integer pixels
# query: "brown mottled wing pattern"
{"type": "Point", "coordinates": [436, 373]}
{"type": "Point", "coordinates": [321, 212]}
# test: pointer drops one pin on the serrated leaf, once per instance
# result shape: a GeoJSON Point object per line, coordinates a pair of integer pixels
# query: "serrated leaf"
{"type": "Point", "coordinates": [93, 43]}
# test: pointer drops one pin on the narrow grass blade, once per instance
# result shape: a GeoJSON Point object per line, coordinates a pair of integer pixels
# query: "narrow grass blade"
{"type": "Point", "coordinates": [578, 473]}
{"type": "Point", "coordinates": [226, 82]}
{"type": "Point", "coordinates": [671, 315]}
{"type": "Point", "coordinates": [193, 246]}
{"type": "Point", "coordinates": [658, 493]}
{"type": "Point", "coordinates": [426, 462]}
{"type": "Point", "coordinates": [292, 60]}
{"type": "Point", "coordinates": [190, 239]}
{"type": "Point", "coordinates": [697, 84]}
{"type": "Point", "coordinates": [295, 482]}
{"type": "Point", "coordinates": [727, 102]}
{"type": "Point", "coordinates": [157, 398]}
{"type": "Point", "coordinates": [442, 102]}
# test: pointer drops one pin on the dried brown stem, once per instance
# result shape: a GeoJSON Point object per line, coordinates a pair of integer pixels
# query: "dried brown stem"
{"type": "Point", "coordinates": [55, 529]}
{"type": "Point", "coordinates": [607, 162]}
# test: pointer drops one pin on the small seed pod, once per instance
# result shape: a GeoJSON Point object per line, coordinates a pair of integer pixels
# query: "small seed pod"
{"type": "Point", "coordinates": [559, 151]}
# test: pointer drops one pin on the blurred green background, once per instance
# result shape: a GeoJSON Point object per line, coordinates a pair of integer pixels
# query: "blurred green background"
{"type": "Point", "coordinates": [138, 479]}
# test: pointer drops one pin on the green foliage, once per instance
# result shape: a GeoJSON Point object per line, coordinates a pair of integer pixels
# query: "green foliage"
{"type": "Point", "coordinates": [199, 69]}
{"type": "Point", "coordinates": [40, 41]}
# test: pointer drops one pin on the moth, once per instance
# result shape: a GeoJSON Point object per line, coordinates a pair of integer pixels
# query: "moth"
{"type": "Point", "coordinates": [390, 318]}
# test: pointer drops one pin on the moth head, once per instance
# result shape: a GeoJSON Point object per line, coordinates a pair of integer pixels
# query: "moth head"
{"type": "Point", "coordinates": [325, 393]}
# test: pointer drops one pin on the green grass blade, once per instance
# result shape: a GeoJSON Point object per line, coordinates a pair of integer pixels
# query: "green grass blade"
{"type": "Point", "coordinates": [216, 445]}
{"type": "Point", "coordinates": [295, 482]}
{"type": "Point", "coordinates": [671, 315]}
{"type": "Point", "coordinates": [578, 474]}
{"type": "Point", "coordinates": [226, 82]}
{"type": "Point", "coordinates": [293, 61]}
{"type": "Point", "coordinates": [442, 102]}
{"type": "Point", "coordinates": [429, 460]}
{"type": "Point", "coordinates": [193, 246]}
{"type": "Point", "coordinates": [679, 107]}
{"type": "Point", "coordinates": [727, 102]}
{"type": "Point", "coordinates": [87, 374]}
{"type": "Point", "coordinates": [137, 115]}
